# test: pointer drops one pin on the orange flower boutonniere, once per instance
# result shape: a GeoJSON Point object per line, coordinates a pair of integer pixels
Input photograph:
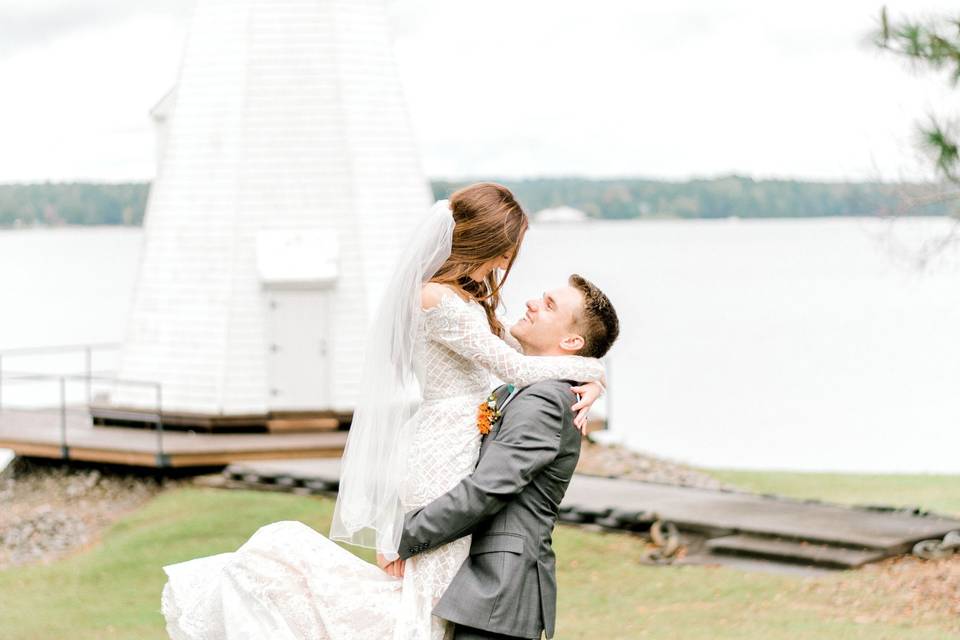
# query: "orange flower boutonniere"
{"type": "Point", "coordinates": [489, 412]}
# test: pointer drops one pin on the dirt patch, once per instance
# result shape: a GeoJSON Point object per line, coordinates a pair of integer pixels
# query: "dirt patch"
{"type": "Point", "coordinates": [902, 589]}
{"type": "Point", "coordinates": [618, 462]}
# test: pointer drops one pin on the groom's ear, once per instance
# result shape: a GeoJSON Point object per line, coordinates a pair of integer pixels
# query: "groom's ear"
{"type": "Point", "coordinates": [572, 343]}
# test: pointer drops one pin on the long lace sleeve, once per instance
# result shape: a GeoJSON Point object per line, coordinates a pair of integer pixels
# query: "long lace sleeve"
{"type": "Point", "coordinates": [462, 328]}
{"type": "Point", "coordinates": [510, 340]}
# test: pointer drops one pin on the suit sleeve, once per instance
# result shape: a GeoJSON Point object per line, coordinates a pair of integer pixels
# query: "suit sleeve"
{"type": "Point", "coordinates": [527, 441]}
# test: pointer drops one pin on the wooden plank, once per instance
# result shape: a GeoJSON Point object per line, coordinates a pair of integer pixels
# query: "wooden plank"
{"type": "Point", "coordinates": [793, 551]}
{"type": "Point", "coordinates": [38, 434]}
{"type": "Point", "coordinates": [226, 458]}
{"type": "Point", "coordinates": [113, 456]}
{"type": "Point", "coordinates": [763, 515]}
{"type": "Point", "coordinates": [301, 425]}
{"type": "Point", "coordinates": [273, 421]}
{"type": "Point", "coordinates": [80, 453]}
{"type": "Point", "coordinates": [179, 419]}
{"type": "Point", "coordinates": [183, 460]}
{"type": "Point", "coordinates": [32, 449]}
{"type": "Point", "coordinates": [138, 441]}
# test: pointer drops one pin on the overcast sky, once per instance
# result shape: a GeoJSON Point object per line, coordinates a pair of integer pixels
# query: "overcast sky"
{"type": "Point", "coordinates": [515, 88]}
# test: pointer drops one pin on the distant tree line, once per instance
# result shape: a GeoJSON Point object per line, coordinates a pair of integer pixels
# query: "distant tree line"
{"type": "Point", "coordinates": [72, 203]}
{"type": "Point", "coordinates": [714, 198]}
{"type": "Point", "coordinates": [124, 204]}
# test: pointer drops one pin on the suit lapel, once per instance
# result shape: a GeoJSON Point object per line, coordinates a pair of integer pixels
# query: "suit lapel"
{"type": "Point", "coordinates": [505, 396]}
{"type": "Point", "coordinates": [503, 404]}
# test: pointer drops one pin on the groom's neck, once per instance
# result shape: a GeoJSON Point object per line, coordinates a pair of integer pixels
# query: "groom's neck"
{"type": "Point", "coordinates": [531, 350]}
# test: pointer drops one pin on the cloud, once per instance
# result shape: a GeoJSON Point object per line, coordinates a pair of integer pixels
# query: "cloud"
{"type": "Point", "coordinates": [36, 23]}
{"type": "Point", "coordinates": [507, 88]}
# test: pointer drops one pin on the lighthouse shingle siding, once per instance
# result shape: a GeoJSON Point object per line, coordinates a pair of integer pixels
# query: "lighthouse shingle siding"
{"type": "Point", "coordinates": [288, 114]}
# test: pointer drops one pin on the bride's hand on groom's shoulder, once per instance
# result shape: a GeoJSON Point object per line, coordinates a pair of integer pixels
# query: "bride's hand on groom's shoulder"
{"type": "Point", "coordinates": [588, 395]}
{"type": "Point", "coordinates": [392, 567]}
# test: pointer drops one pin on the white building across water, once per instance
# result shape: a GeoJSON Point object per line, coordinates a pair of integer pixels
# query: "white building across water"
{"type": "Point", "coordinates": [288, 177]}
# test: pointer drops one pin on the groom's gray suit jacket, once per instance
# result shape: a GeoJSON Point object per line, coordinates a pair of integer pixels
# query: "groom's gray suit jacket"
{"type": "Point", "coordinates": [508, 583]}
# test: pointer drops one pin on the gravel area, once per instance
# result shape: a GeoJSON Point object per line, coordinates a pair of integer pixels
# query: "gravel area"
{"type": "Point", "coordinates": [617, 462]}
{"type": "Point", "coordinates": [50, 510]}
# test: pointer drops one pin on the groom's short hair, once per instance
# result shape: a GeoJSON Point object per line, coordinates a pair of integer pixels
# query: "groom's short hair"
{"type": "Point", "coordinates": [597, 321]}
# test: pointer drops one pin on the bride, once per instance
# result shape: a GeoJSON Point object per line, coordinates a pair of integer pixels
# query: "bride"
{"type": "Point", "coordinates": [433, 346]}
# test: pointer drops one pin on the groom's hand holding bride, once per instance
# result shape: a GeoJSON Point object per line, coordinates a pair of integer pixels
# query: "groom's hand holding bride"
{"type": "Point", "coordinates": [392, 567]}
{"type": "Point", "coordinates": [587, 395]}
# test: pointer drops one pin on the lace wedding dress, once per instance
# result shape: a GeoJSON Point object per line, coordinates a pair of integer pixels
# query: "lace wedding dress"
{"type": "Point", "coordinates": [289, 582]}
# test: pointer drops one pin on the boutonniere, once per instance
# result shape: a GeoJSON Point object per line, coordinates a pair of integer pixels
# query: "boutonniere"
{"type": "Point", "coordinates": [489, 412]}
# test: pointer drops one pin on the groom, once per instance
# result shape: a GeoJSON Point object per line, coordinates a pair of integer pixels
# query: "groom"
{"type": "Point", "coordinates": [507, 588]}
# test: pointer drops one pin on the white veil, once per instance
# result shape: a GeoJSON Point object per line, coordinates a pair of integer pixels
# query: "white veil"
{"type": "Point", "coordinates": [368, 511]}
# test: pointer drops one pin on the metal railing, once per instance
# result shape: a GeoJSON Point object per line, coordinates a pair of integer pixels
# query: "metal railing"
{"type": "Point", "coordinates": [88, 378]}
{"type": "Point", "coordinates": [86, 349]}
{"type": "Point", "coordinates": [155, 417]}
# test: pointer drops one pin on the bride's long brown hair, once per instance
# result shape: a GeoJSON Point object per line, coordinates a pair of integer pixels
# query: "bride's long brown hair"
{"type": "Point", "coordinates": [489, 224]}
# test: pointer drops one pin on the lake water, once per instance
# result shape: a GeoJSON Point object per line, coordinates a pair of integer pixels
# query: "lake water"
{"type": "Point", "coordinates": [812, 344]}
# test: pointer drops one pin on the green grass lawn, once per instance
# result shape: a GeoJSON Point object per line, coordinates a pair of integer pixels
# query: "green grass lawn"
{"type": "Point", "coordinates": [939, 493]}
{"type": "Point", "coordinates": [112, 589]}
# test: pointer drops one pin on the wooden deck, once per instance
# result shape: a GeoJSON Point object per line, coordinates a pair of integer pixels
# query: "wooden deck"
{"type": "Point", "coordinates": [38, 434]}
{"type": "Point", "coordinates": [274, 421]}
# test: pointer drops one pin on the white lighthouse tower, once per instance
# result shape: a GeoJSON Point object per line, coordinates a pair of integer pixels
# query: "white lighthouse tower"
{"type": "Point", "coordinates": [288, 179]}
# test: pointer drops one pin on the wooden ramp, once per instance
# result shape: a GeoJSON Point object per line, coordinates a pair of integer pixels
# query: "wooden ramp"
{"type": "Point", "coordinates": [728, 512]}
{"type": "Point", "coordinates": [43, 434]}
{"type": "Point", "coordinates": [758, 526]}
